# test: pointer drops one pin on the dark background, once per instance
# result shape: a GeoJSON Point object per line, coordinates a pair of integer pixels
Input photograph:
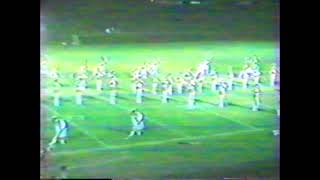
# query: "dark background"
{"type": "Point", "coordinates": [141, 20]}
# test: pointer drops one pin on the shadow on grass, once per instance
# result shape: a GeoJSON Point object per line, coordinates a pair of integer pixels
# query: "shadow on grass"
{"type": "Point", "coordinates": [205, 102]}
{"type": "Point", "coordinates": [239, 106]}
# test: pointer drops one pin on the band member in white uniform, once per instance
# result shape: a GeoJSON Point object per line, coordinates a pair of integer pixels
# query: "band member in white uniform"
{"type": "Point", "coordinates": [199, 85]}
{"type": "Point", "coordinates": [137, 119]}
{"type": "Point", "coordinates": [165, 91]}
{"type": "Point", "coordinates": [214, 82]}
{"type": "Point", "coordinates": [256, 98]}
{"type": "Point", "coordinates": [180, 83]}
{"type": "Point", "coordinates": [139, 91]}
{"type": "Point", "coordinates": [273, 74]}
{"type": "Point", "coordinates": [100, 74]}
{"type": "Point", "coordinates": [222, 95]}
{"type": "Point", "coordinates": [56, 91]}
{"type": "Point", "coordinates": [230, 79]}
{"type": "Point", "coordinates": [61, 128]}
{"type": "Point", "coordinates": [155, 84]}
{"type": "Point", "coordinates": [191, 98]}
{"type": "Point", "coordinates": [113, 84]}
{"type": "Point", "coordinates": [79, 92]}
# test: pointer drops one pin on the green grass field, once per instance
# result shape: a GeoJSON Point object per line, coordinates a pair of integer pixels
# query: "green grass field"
{"type": "Point", "coordinates": [207, 142]}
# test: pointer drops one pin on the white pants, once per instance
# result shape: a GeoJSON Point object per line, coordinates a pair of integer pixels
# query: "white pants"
{"type": "Point", "coordinates": [56, 100]}
{"type": "Point", "coordinates": [99, 84]}
{"type": "Point", "coordinates": [179, 89]}
{"type": "Point", "coordinates": [272, 80]}
{"type": "Point", "coordinates": [154, 88]}
{"type": "Point", "coordinates": [214, 86]}
{"type": "Point", "coordinates": [191, 102]}
{"type": "Point", "coordinates": [221, 101]}
{"type": "Point", "coordinates": [230, 85]}
{"type": "Point", "coordinates": [79, 99]}
{"type": "Point", "coordinates": [170, 90]}
{"type": "Point", "coordinates": [113, 97]}
{"type": "Point", "coordinates": [245, 83]}
{"type": "Point", "coordinates": [139, 98]}
{"type": "Point", "coordinates": [164, 97]}
{"type": "Point", "coordinates": [256, 104]}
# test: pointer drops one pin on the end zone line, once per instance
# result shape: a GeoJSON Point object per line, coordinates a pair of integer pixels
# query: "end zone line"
{"type": "Point", "coordinates": [115, 147]}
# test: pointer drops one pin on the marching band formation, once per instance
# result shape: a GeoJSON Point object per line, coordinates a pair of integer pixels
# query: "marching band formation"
{"type": "Point", "coordinates": [146, 78]}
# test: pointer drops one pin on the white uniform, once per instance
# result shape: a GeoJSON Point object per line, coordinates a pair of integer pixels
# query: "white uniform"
{"type": "Point", "coordinates": [188, 76]}
{"type": "Point", "coordinates": [165, 92]}
{"type": "Point", "coordinates": [273, 74]}
{"type": "Point", "coordinates": [137, 121]}
{"type": "Point", "coordinates": [113, 84]}
{"type": "Point", "coordinates": [200, 86]}
{"type": "Point", "coordinates": [222, 95]}
{"type": "Point", "coordinates": [144, 73]}
{"type": "Point", "coordinates": [79, 94]}
{"type": "Point", "coordinates": [191, 99]}
{"type": "Point", "coordinates": [137, 124]}
{"type": "Point", "coordinates": [256, 98]}
{"type": "Point", "coordinates": [214, 82]}
{"type": "Point", "coordinates": [155, 84]}
{"type": "Point", "coordinates": [245, 79]}
{"type": "Point", "coordinates": [82, 78]}
{"type": "Point", "coordinates": [99, 75]}
{"type": "Point", "coordinates": [61, 128]}
{"type": "Point", "coordinates": [139, 92]}
{"type": "Point", "coordinates": [154, 70]}
{"type": "Point", "coordinates": [180, 84]}
{"type": "Point", "coordinates": [203, 69]}
{"type": "Point", "coordinates": [200, 71]}
{"type": "Point", "coordinates": [170, 89]}
{"type": "Point", "coordinates": [230, 81]}
{"type": "Point", "coordinates": [136, 75]}
{"type": "Point", "coordinates": [256, 77]}
{"type": "Point", "coordinates": [206, 68]}
{"type": "Point", "coordinates": [192, 85]}
{"type": "Point", "coordinates": [56, 99]}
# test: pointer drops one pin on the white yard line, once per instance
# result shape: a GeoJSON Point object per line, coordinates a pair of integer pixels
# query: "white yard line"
{"type": "Point", "coordinates": [152, 119]}
{"type": "Point", "coordinates": [150, 143]}
{"type": "Point", "coordinates": [237, 122]}
{"type": "Point", "coordinates": [89, 134]}
{"type": "Point", "coordinates": [83, 130]}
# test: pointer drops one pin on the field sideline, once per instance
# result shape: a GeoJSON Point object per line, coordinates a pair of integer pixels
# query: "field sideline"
{"type": "Point", "coordinates": [202, 143]}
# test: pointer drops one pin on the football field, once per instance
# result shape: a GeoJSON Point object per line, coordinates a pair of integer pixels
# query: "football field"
{"type": "Point", "coordinates": [206, 142]}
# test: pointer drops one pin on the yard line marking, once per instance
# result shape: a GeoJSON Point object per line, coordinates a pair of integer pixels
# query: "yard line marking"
{"type": "Point", "coordinates": [149, 143]}
{"type": "Point", "coordinates": [82, 130]}
{"type": "Point", "coordinates": [237, 122]}
{"type": "Point", "coordinates": [154, 120]}
{"type": "Point", "coordinates": [89, 135]}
